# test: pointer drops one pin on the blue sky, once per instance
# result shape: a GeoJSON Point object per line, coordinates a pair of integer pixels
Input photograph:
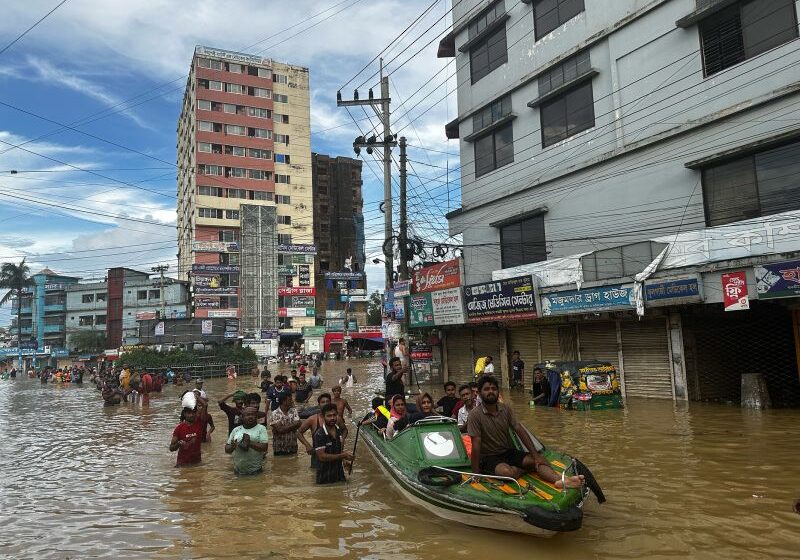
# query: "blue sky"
{"type": "Point", "coordinates": [115, 72]}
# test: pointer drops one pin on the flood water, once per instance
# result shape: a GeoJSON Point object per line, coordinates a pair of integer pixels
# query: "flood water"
{"type": "Point", "coordinates": [78, 480]}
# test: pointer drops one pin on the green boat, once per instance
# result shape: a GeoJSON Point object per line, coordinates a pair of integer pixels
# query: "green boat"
{"type": "Point", "coordinates": [428, 462]}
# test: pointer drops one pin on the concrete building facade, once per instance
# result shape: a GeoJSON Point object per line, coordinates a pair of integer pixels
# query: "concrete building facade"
{"type": "Point", "coordinates": [243, 141]}
{"type": "Point", "coordinates": [605, 143]}
{"type": "Point", "coordinates": [44, 309]}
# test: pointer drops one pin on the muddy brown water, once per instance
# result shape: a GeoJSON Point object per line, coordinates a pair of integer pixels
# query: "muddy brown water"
{"type": "Point", "coordinates": [78, 480]}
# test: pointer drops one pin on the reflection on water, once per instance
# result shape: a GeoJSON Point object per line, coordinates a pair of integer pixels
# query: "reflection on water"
{"type": "Point", "coordinates": [79, 480]}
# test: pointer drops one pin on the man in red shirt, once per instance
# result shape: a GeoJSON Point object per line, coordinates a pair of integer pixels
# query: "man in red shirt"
{"type": "Point", "coordinates": [186, 438]}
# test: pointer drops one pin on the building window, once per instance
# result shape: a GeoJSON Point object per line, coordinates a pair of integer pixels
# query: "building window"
{"type": "Point", "coordinates": [280, 78]}
{"type": "Point", "coordinates": [203, 105]}
{"type": "Point", "coordinates": [87, 298]}
{"type": "Point", "coordinates": [235, 68]}
{"type": "Point", "coordinates": [745, 30]}
{"type": "Point", "coordinates": [236, 130]}
{"type": "Point", "coordinates": [155, 294]}
{"type": "Point", "coordinates": [490, 52]}
{"type": "Point", "coordinates": [491, 113]}
{"type": "Point", "coordinates": [285, 220]}
{"type": "Point", "coordinates": [228, 235]}
{"type": "Point", "coordinates": [101, 296]}
{"type": "Point", "coordinates": [237, 193]}
{"type": "Point", "coordinates": [282, 158]}
{"type": "Point", "coordinates": [261, 195]}
{"type": "Point", "coordinates": [212, 64]}
{"type": "Point", "coordinates": [100, 320]}
{"type": "Point", "coordinates": [259, 133]}
{"type": "Point", "coordinates": [258, 112]}
{"type": "Point", "coordinates": [260, 154]}
{"type": "Point", "coordinates": [523, 242]}
{"type": "Point", "coordinates": [209, 213]}
{"type": "Point", "coordinates": [567, 114]}
{"type": "Point", "coordinates": [231, 214]}
{"type": "Point", "coordinates": [282, 139]}
{"type": "Point", "coordinates": [282, 178]}
{"type": "Point", "coordinates": [141, 294]}
{"type": "Point", "coordinates": [284, 238]}
{"type": "Point", "coordinates": [551, 14]}
{"type": "Point", "coordinates": [204, 147]}
{"type": "Point", "coordinates": [566, 72]}
{"type": "Point", "coordinates": [259, 174]}
{"type": "Point", "coordinates": [205, 126]}
{"type": "Point", "coordinates": [278, 118]}
{"type": "Point", "coordinates": [280, 98]}
{"type": "Point", "coordinates": [283, 199]}
{"type": "Point", "coordinates": [86, 320]}
{"type": "Point", "coordinates": [260, 92]}
{"type": "Point", "coordinates": [239, 172]}
{"type": "Point", "coordinates": [752, 186]}
{"type": "Point", "coordinates": [494, 150]}
{"type": "Point", "coordinates": [209, 191]}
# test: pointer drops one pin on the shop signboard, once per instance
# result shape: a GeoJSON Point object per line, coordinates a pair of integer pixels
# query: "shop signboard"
{"type": "Point", "coordinates": [448, 307]}
{"type": "Point", "coordinates": [501, 300]}
{"type": "Point", "coordinates": [355, 291]}
{"type": "Point", "coordinates": [400, 309]}
{"type": "Point", "coordinates": [175, 314]}
{"type": "Point", "coordinates": [214, 268]}
{"type": "Point", "coordinates": [352, 326]}
{"type": "Point", "coordinates": [223, 313]}
{"type": "Point", "coordinates": [296, 312]}
{"type": "Point", "coordinates": [673, 291]}
{"type": "Point", "coordinates": [287, 270]}
{"type": "Point", "coordinates": [145, 315]}
{"type": "Point", "coordinates": [334, 314]}
{"type": "Point", "coordinates": [269, 334]}
{"type": "Point", "coordinates": [778, 280]}
{"type": "Point", "coordinates": [421, 352]}
{"type": "Point", "coordinates": [31, 344]}
{"type": "Point", "coordinates": [370, 329]}
{"type": "Point", "coordinates": [229, 334]}
{"type": "Point", "coordinates": [420, 310]}
{"type": "Point", "coordinates": [296, 291]}
{"type": "Point", "coordinates": [353, 299]}
{"type": "Point", "coordinates": [439, 276]}
{"type": "Point", "coordinates": [353, 276]}
{"type": "Point", "coordinates": [303, 301]}
{"type": "Point", "coordinates": [214, 246]}
{"type": "Point", "coordinates": [229, 291]}
{"type": "Point", "coordinates": [159, 328]}
{"type": "Point", "coordinates": [206, 302]}
{"type": "Point", "coordinates": [334, 325]}
{"type": "Point", "coordinates": [388, 302]}
{"type": "Point", "coordinates": [302, 259]}
{"type": "Point", "coordinates": [207, 327]}
{"type": "Point", "coordinates": [402, 288]}
{"type": "Point", "coordinates": [313, 331]}
{"type": "Point", "coordinates": [304, 274]}
{"type": "Point", "coordinates": [206, 281]}
{"type": "Point", "coordinates": [734, 291]}
{"type": "Point", "coordinates": [296, 248]}
{"type": "Point", "coordinates": [391, 330]}
{"type": "Point", "coordinates": [601, 298]}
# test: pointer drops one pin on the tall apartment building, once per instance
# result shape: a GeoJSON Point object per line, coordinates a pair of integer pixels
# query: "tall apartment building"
{"type": "Point", "coordinates": [611, 148]}
{"type": "Point", "coordinates": [339, 237]}
{"type": "Point", "coordinates": [44, 309]}
{"type": "Point", "coordinates": [245, 215]}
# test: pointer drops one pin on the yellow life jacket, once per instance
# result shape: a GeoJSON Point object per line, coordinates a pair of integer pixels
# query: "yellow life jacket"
{"type": "Point", "coordinates": [383, 410]}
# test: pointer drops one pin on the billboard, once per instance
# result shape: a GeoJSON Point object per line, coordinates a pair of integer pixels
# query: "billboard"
{"type": "Point", "coordinates": [296, 291]}
{"type": "Point", "coordinates": [230, 291]}
{"type": "Point", "coordinates": [215, 246]}
{"type": "Point", "coordinates": [778, 280]}
{"type": "Point", "coordinates": [420, 310]}
{"type": "Point", "coordinates": [206, 302]}
{"type": "Point", "coordinates": [601, 298]}
{"type": "Point", "coordinates": [296, 248]}
{"type": "Point", "coordinates": [501, 300]}
{"type": "Point", "coordinates": [448, 307]}
{"type": "Point", "coordinates": [218, 268]}
{"type": "Point", "coordinates": [439, 276]}
{"type": "Point", "coordinates": [296, 312]}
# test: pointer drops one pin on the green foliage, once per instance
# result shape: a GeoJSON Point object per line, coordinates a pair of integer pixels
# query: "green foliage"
{"type": "Point", "coordinates": [374, 309]}
{"type": "Point", "coordinates": [146, 358]}
{"type": "Point", "coordinates": [87, 342]}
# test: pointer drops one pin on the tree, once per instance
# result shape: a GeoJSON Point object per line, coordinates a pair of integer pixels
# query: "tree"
{"type": "Point", "coordinates": [15, 278]}
{"type": "Point", "coordinates": [374, 306]}
{"type": "Point", "coordinates": [88, 342]}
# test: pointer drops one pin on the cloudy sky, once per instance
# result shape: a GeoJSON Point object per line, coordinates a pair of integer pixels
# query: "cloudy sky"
{"type": "Point", "coordinates": [100, 192]}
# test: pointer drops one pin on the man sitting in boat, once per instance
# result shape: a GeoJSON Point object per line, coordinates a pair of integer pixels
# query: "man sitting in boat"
{"type": "Point", "coordinates": [493, 450]}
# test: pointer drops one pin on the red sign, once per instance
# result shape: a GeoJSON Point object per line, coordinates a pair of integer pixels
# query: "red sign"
{"type": "Point", "coordinates": [439, 276]}
{"type": "Point", "coordinates": [296, 291]}
{"type": "Point", "coordinates": [734, 291]}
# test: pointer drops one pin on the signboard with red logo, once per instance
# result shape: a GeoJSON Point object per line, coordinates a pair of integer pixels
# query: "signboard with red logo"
{"type": "Point", "coordinates": [734, 291]}
{"type": "Point", "coordinates": [438, 277]}
{"type": "Point", "coordinates": [297, 291]}
{"type": "Point", "coordinates": [778, 280]}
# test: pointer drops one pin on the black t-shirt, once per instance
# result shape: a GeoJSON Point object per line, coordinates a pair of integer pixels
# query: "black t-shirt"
{"type": "Point", "coordinates": [329, 471]}
{"type": "Point", "coordinates": [274, 394]}
{"type": "Point", "coordinates": [303, 392]}
{"type": "Point", "coordinates": [394, 387]}
{"type": "Point", "coordinates": [265, 385]}
{"type": "Point", "coordinates": [542, 387]}
{"type": "Point", "coordinates": [234, 415]}
{"type": "Point", "coordinates": [517, 368]}
{"type": "Point", "coordinates": [447, 403]}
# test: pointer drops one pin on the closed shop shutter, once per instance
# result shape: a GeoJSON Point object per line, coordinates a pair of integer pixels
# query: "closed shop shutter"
{"type": "Point", "coordinates": [460, 365]}
{"type": "Point", "coordinates": [598, 341]}
{"type": "Point", "coordinates": [486, 342]}
{"type": "Point", "coordinates": [548, 337]}
{"type": "Point", "coordinates": [526, 341]}
{"type": "Point", "coordinates": [647, 368]}
{"type": "Point", "coordinates": [558, 343]}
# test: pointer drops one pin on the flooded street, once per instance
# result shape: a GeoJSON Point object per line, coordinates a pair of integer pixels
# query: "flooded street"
{"type": "Point", "coordinates": [80, 481]}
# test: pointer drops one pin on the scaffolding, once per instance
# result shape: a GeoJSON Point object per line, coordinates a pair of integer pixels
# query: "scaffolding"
{"type": "Point", "coordinates": [259, 269]}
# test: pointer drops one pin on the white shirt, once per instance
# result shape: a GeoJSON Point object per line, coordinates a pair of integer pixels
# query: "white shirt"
{"type": "Point", "coordinates": [489, 368]}
{"type": "Point", "coordinates": [462, 415]}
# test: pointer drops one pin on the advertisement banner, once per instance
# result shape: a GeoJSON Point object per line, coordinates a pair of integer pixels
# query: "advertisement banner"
{"type": "Point", "coordinates": [734, 291]}
{"type": "Point", "coordinates": [229, 334]}
{"type": "Point", "coordinates": [671, 292]}
{"type": "Point", "coordinates": [296, 291]}
{"type": "Point", "coordinates": [448, 307]}
{"type": "Point", "coordinates": [334, 325]}
{"type": "Point", "coordinates": [145, 315]}
{"type": "Point", "coordinates": [303, 301]}
{"type": "Point", "coordinates": [439, 276]}
{"type": "Point", "coordinates": [400, 308]}
{"type": "Point", "coordinates": [295, 248]}
{"type": "Point", "coordinates": [391, 330]}
{"type": "Point", "coordinates": [421, 352]}
{"type": "Point", "coordinates": [159, 328]}
{"type": "Point", "coordinates": [223, 313]}
{"type": "Point", "coordinates": [269, 334]}
{"type": "Point", "coordinates": [313, 331]}
{"type": "Point", "coordinates": [302, 259]}
{"type": "Point", "coordinates": [388, 302]}
{"type": "Point", "coordinates": [296, 312]}
{"type": "Point", "coordinates": [206, 302]}
{"type": "Point", "coordinates": [207, 327]}
{"type": "Point", "coordinates": [603, 298]}
{"type": "Point", "coordinates": [353, 299]}
{"type": "Point", "coordinates": [502, 300]}
{"type": "Point", "coordinates": [232, 291]}
{"type": "Point", "coordinates": [355, 291]}
{"type": "Point", "coordinates": [334, 314]}
{"type": "Point", "coordinates": [402, 288]}
{"type": "Point", "coordinates": [204, 281]}
{"type": "Point", "coordinates": [778, 280]}
{"type": "Point", "coordinates": [218, 268]}
{"type": "Point", "coordinates": [344, 276]}
{"type": "Point", "coordinates": [214, 246]}
{"type": "Point", "coordinates": [287, 270]}
{"type": "Point", "coordinates": [420, 310]}
{"type": "Point", "coordinates": [304, 273]}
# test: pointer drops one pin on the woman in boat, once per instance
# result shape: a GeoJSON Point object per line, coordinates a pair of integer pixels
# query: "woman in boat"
{"type": "Point", "coordinates": [424, 409]}
{"type": "Point", "coordinates": [397, 416]}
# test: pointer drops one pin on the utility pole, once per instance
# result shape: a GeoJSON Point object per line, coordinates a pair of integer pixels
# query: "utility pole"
{"type": "Point", "coordinates": [161, 268]}
{"type": "Point", "coordinates": [381, 108]}
{"type": "Point", "coordinates": [403, 237]}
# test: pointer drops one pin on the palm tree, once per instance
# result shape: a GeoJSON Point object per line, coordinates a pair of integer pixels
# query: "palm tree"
{"type": "Point", "coordinates": [15, 278]}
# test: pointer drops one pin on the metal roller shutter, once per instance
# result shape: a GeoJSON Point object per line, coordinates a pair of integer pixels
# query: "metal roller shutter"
{"type": "Point", "coordinates": [646, 359]}
{"type": "Point", "coordinates": [598, 341]}
{"type": "Point", "coordinates": [486, 342]}
{"type": "Point", "coordinates": [548, 337]}
{"type": "Point", "coordinates": [460, 364]}
{"type": "Point", "coordinates": [526, 340]}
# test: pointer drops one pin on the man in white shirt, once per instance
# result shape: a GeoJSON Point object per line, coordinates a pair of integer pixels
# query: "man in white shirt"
{"type": "Point", "coordinates": [489, 367]}
{"type": "Point", "coordinates": [469, 403]}
{"type": "Point", "coordinates": [401, 351]}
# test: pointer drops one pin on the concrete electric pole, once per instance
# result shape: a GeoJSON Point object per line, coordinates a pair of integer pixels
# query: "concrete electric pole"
{"type": "Point", "coordinates": [162, 268]}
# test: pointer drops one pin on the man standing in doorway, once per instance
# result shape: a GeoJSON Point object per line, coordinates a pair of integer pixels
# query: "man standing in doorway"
{"type": "Point", "coordinates": [517, 370]}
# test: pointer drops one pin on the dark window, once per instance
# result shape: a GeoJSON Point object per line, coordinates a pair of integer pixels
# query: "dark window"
{"type": "Point", "coordinates": [567, 71]}
{"type": "Point", "coordinates": [523, 242]}
{"type": "Point", "coordinates": [491, 113]}
{"type": "Point", "coordinates": [753, 186]}
{"type": "Point", "coordinates": [551, 14]}
{"type": "Point", "coordinates": [141, 294]}
{"type": "Point", "coordinates": [488, 55]}
{"type": "Point", "coordinates": [494, 150]}
{"type": "Point", "coordinates": [567, 114]}
{"type": "Point", "coordinates": [744, 30]}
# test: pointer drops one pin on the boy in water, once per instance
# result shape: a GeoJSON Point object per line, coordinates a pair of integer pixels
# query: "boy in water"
{"type": "Point", "coordinates": [186, 438]}
{"type": "Point", "coordinates": [341, 405]}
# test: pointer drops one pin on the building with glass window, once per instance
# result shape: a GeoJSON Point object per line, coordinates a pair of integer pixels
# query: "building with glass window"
{"type": "Point", "coordinates": [244, 188]}
{"type": "Point", "coordinates": [43, 311]}
{"type": "Point", "coordinates": [608, 144]}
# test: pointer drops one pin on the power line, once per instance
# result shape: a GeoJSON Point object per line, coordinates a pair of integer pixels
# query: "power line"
{"type": "Point", "coordinates": [40, 20]}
